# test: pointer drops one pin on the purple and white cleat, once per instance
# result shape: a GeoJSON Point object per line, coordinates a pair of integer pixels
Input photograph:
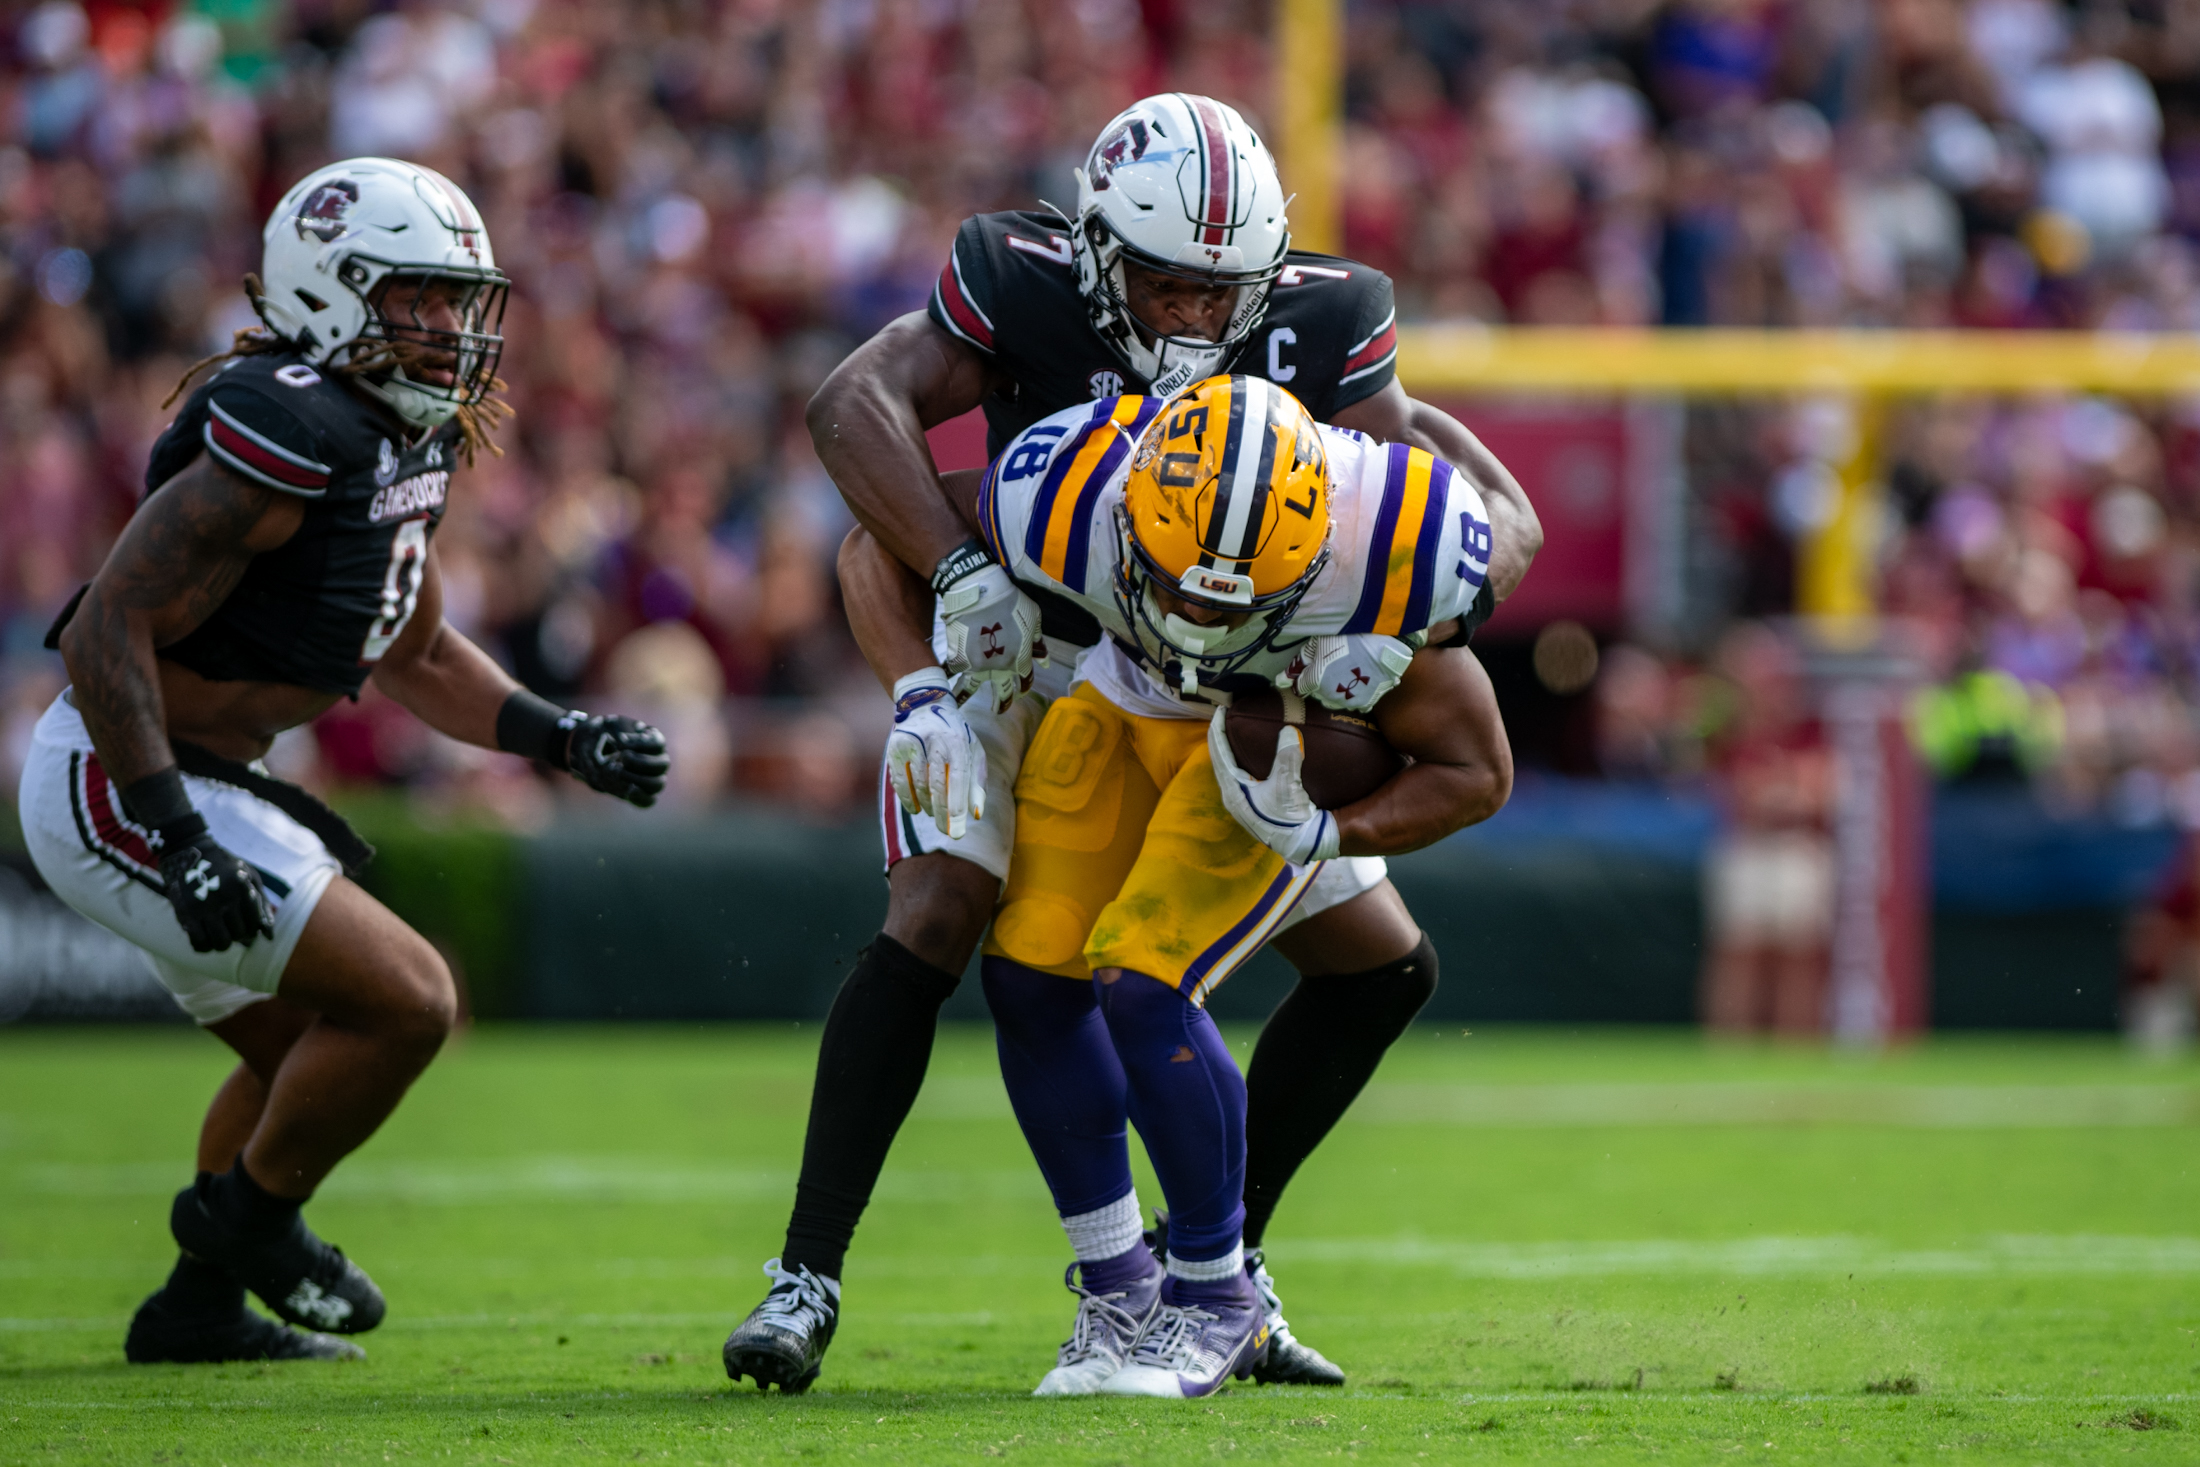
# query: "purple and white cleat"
{"type": "Point", "coordinates": [1193, 1345]}
{"type": "Point", "coordinates": [1100, 1342]}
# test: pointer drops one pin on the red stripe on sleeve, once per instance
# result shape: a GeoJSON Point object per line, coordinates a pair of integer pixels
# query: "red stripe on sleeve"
{"type": "Point", "coordinates": [246, 452]}
{"type": "Point", "coordinates": [1385, 342]}
{"type": "Point", "coordinates": [959, 310]}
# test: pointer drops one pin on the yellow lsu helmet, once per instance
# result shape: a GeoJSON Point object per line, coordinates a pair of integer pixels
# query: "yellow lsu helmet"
{"type": "Point", "coordinates": [1227, 507]}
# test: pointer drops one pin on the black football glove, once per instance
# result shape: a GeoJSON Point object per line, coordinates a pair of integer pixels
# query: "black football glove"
{"type": "Point", "coordinates": [620, 756]}
{"type": "Point", "coordinates": [216, 895]}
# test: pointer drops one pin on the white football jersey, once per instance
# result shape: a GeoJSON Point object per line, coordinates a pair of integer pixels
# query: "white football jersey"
{"type": "Point", "coordinates": [1410, 544]}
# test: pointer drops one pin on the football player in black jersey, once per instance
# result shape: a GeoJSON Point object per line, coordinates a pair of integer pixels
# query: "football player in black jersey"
{"type": "Point", "coordinates": [284, 554]}
{"type": "Point", "coordinates": [1177, 267]}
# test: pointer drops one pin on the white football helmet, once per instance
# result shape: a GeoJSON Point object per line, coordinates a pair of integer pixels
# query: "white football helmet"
{"type": "Point", "coordinates": [1178, 184]}
{"type": "Point", "coordinates": [340, 233]}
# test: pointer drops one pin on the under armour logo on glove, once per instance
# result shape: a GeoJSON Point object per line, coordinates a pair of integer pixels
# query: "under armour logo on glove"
{"type": "Point", "coordinates": [619, 756]}
{"type": "Point", "coordinates": [1351, 672]}
{"type": "Point", "coordinates": [990, 631]}
{"type": "Point", "coordinates": [215, 894]}
{"type": "Point", "coordinates": [203, 879]}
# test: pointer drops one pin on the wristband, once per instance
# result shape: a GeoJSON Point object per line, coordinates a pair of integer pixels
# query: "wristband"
{"type": "Point", "coordinates": [960, 562]}
{"type": "Point", "coordinates": [536, 728]}
{"type": "Point", "coordinates": [158, 803]}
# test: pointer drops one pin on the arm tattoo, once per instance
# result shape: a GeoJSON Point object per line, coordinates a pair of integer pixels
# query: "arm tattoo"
{"type": "Point", "coordinates": [177, 560]}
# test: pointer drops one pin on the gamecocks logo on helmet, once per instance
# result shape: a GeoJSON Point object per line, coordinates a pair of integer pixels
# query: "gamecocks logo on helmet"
{"type": "Point", "coordinates": [322, 214]}
{"type": "Point", "coordinates": [1125, 144]}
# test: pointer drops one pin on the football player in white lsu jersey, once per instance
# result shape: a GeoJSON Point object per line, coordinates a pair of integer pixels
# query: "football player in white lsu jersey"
{"type": "Point", "coordinates": [1224, 543]}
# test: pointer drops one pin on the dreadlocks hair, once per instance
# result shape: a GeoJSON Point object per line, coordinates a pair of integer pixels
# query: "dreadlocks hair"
{"type": "Point", "coordinates": [477, 421]}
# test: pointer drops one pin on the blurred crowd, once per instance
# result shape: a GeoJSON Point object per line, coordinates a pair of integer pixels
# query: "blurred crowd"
{"type": "Point", "coordinates": [2043, 560]}
{"type": "Point", "coordinates": [705, 203]}
{"type": "Point", "coordinates": [1987, 163]}
{"type": "Point", "coordinates": [703, 206]}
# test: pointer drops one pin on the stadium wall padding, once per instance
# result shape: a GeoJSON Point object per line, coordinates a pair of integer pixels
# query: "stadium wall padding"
{"type": "Point", "coordinates": [460, 884]}
{"type": "Point", "coordinates": [757, 916]}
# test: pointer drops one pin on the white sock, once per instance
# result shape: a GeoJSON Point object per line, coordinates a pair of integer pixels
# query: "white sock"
{"type": "Point", "coordinates": [1210, 1270]}
{"type": "Point", "coordinates": [1105, 1232]}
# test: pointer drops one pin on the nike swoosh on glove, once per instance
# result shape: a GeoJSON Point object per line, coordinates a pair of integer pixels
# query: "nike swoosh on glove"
{"type": "Point", "coordinates": [216, 895]}
{"type": "Point", "coordinates": [992, 636]}
{"type": "Point", "coordinates": [932, 756]}
{"type": "Point", "coordinates": [619, 756]}
{"type": "Point", "coordinates": [1276, 811]}
{"type": "Point", "coordinates": [1351, 672]}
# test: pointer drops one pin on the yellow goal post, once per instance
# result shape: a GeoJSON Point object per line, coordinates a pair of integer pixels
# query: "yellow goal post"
{"type": "Point", "coordinates": [1867, 368]}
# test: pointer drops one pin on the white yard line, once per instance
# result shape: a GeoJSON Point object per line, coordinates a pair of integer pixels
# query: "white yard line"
{"type": "Point", "coordinates": [1751, 1103]}
{"type": "Point", "coordinates": [2171, 1257]}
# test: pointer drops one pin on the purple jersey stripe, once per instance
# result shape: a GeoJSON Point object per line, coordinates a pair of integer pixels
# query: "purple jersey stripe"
{"type": "Point", "coordinates": [1080, 529]}
{"type": "Point", "coordinates": [1197, 972]}
{"type": "Point", "coordinates": [1431, 538]}
{"type": "Point", "coordinates": [1378, 554]}
{"type": "Point", "coordinates": [1065, 458]}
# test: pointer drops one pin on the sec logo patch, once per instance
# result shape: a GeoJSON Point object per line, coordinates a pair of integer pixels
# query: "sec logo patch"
{"type": "Point", "coordinates": [1106, 384]}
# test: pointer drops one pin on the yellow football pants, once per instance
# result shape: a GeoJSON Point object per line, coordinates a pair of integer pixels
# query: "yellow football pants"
{"type": "Point", "coordinates": [1126, 857]}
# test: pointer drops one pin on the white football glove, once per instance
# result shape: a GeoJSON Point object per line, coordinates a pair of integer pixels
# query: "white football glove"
{"type": "Point", "coordinates": [1276, 811]}
{"type": "Point", "coordinates": [1352, 672]}
{"type": "Point", "coordinates": [932, 756]}
{"type": "Point", "coordinates": [992, 635]}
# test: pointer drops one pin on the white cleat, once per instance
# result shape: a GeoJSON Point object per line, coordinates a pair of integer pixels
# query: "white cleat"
{"type": "Point", "coordinates": [1100, 1341]}
{"type": "Point", "coordinates": [1187, 1351]}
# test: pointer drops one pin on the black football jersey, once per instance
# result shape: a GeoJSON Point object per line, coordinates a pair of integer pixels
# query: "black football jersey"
{"type": "Point", "coordinates": [1008, 289]}
{"type": "Point", "coordinates": [320, 610]}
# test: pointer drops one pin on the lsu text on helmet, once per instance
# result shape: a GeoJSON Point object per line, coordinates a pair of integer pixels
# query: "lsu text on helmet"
{"type": "Point", "coordinates": [1226, 509]}
{"type": "Point", "coordinates": [366, 233]}
{"type": "Point", "coordinates": [1178, 184]}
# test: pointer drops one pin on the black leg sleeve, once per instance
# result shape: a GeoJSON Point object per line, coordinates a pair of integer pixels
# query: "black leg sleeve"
{"type": "Point", "coordinates": [1318, 1051]}
{"type": "Point", "coordinates": [870, 1065]}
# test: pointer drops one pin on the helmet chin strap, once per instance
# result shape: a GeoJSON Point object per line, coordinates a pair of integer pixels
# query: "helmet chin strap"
{"type": "Point", "coordinates": [1191, 366]}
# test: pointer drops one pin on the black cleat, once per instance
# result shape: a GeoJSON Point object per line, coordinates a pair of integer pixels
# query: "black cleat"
{"type": "Point", "coordinates": [305, 1281]}
{"type": "Point", "coordinates": [161, 1336]}
{"type": "Point", "coordinates": [783, 1340]}
{"type": "Point", "coordinates": [1287, 1362]}
{"type": "Point", "coordinates": [1156, 1238]}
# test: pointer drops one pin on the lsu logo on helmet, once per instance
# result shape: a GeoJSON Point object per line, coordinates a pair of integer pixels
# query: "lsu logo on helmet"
{"type": "Point", "coordinates": [1227, 509]}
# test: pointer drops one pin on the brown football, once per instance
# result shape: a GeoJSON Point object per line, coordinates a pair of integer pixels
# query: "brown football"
{"type": "Point", "coordinates": [1347, 757]}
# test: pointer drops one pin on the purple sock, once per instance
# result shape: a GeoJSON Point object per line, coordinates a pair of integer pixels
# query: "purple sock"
{"type": "Point", "coordinates": [1064, 1082]}
{"type": "Point", "coordinates": [1237, 1289]}
{"type": "Point", "coordinates": [1188, 1101]}
{"type": "Point", "coordinates": [1134, 1265]}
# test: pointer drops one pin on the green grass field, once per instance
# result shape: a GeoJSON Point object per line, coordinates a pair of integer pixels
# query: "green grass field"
{"type": "Point", "coordinates": [1521, 1246]}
